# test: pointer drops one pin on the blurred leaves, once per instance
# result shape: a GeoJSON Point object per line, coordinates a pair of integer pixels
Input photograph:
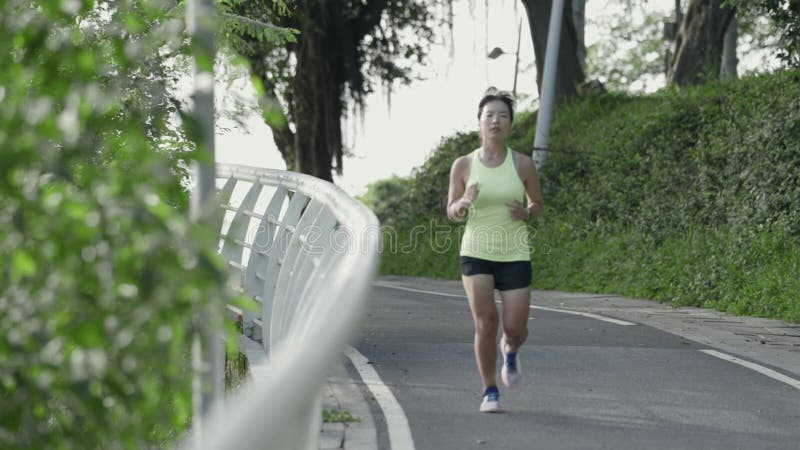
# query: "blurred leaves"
{"type": "Point", "coordinates": [104, 277]}
{"type": "Point", "coordinates": [630, 57]}
{"type": "Point", "coordinates": [387, 198]}
{"type": "Point", "coordinates": [785, 16]}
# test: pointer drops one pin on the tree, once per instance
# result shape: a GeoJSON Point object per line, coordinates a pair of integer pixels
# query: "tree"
{"type": "Point", "coordinates": [386, 197]}
{"type": "Point", "coordinates": [571, 50]}
{"type": "Point", "coordinates": [631, 55]}
{"type": "Point", "coordinates": [757, 33]}
{"type": "Point", "coordinates": [342, 48]}
{"type": "Point", "coordinates": [785, 14]}
{"type": "Point", "coordinates": [697, 56]}
{"type": "Point", "coordinates": [729, 62]}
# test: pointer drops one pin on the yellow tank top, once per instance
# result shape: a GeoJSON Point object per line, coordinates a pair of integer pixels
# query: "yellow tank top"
{"type": "Point", "coordinates": [490, 233]}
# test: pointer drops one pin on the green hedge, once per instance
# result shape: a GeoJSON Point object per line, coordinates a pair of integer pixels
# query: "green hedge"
{"type": "Point", "coordinates": [688, 197]}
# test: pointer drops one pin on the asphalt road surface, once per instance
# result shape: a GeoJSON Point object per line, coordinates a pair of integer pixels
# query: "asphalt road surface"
{"type": "Point", "coordinates": [587, 383]}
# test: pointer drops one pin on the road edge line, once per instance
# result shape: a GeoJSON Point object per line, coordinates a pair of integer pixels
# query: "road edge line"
{"type": "Point", "coordinates": [396, 421]}
{"type": "Point", "coordinates": [585, 314]}
{"type": "Point", "coordinates": [777, 376]}
{"type": "Point", "coordinates": [543, 308]}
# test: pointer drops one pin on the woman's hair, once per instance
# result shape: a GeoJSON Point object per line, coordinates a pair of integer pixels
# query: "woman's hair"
{"type": "Point", "coordinates": [492, 93]}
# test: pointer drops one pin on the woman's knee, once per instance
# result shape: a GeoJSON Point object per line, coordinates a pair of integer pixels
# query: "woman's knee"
{"type": "Point", "coordinates": [486, 325]}
{"type": "Point", "coordinates": [516, 334]}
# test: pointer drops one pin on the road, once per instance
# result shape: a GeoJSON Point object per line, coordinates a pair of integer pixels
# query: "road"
{"type": "Point", "coordinates": [588, 382]}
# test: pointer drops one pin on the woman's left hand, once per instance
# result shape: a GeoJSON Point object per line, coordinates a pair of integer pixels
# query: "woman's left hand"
{"type": "Point", "coordinates": [516, 211]}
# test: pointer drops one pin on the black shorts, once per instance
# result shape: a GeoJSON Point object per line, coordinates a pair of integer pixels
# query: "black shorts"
{"type": "Point", "coordinates": [507, 275]}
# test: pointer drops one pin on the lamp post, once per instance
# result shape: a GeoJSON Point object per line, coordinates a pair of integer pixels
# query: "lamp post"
{"type": "Point", "coordinates": [497, 52]}
{"type": "Point", "coordinates": [545, 115]}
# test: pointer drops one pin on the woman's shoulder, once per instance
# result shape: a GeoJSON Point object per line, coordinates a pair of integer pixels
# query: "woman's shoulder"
{"type": "Point", "coordinates": [462, 166]}
{"type": "Point", "coordinates": [526, 168]}
{"type": "Point", "coordinates": [464, 160]}
{"type": "Point", "coordinates": [523, 161]}
{"type": "Point", "coordinates": [522, 156]}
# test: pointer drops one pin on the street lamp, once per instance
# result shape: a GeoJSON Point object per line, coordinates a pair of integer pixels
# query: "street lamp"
{"type": "Point", "coordinates": [497, 52]}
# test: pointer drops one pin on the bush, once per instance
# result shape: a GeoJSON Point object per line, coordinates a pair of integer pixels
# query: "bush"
{"type": "Point", "coordinates": [682, 196]}
{"type": "Point", "coordinates": [104, 278]}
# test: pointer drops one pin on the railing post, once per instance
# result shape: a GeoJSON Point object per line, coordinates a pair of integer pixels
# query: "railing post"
{"type": "Point", "coordinates": [321, 250]}
{"type": "Point", "coordinates": [207, 349]}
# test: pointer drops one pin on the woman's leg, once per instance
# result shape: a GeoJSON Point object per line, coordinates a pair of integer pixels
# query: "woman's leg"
{"type": "Point", "coordinates": [480, 292]}
{"type": "Point", "coordinates": [516, 310]}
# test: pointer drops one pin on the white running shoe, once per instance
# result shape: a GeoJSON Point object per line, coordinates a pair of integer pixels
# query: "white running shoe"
{"type": "Point", "coordinates": [511, 371]}
{"type": "Point", "coordinates": [491, 401]}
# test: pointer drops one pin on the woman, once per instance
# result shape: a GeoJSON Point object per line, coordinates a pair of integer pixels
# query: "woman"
{"type": "Point", "coordinates": [488, 187]}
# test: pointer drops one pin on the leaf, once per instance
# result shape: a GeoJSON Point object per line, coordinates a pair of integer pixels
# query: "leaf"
{"type": "Point", "coordinates": [22, 264]}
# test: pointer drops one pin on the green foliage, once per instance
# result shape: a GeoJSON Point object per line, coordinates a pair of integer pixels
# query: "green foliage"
{"type": "Point", "coordinates": [236, 369]}
{"type": "Point", "coordinates": [683, 196]}
{"type": "Point", "coordinates": [384, 197]}
{"type": "Point", "coordinates": [758, 35]}
{"type": "Point", "coordinates": [701, 266]}
{"type": "Point", "coordinates": [632, 52]}
{"type": "Point", "coordinates": [785, 14]}
{"type": "Point", "coordinates": [105, 278]}
{"type": "Point", "coordinates": [335, 53]}
{"type": "Point", "coordinates": [723, 154]}
{"type": "Point", "coordinates": [630, 56]}
{"type": "Point", "coordinates": [247, 21]}
{"type": "Point", "coordinates": [338, 416]}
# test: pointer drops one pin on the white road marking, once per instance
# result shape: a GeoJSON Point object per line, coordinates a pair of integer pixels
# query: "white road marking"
{"type": "Point", "coordinates": [585, 314]}
{"type": "Point", "coordinates": [543, 308]}
{"type": "Point", "coordinates": [753, 366]}
{"type": "Point", "coordinates": [396, 420]}
{"type": "Point", "coordinates": [400, 288]}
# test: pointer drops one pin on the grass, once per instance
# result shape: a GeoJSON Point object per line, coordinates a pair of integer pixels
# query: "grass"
{"type": "Point", "coordinates": [338, 416]}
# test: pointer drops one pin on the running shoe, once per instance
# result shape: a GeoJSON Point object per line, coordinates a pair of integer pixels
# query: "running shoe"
{"type": "Point", "coordinates": [511, 372]}
{"type": "Point", "coordinates": [491, 400]}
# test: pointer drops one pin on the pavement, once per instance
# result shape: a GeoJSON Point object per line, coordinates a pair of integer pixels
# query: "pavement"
{"type": "Point", "coordinates": [343, 393]}
{"type": "Point", "coordinates": [771, 343]}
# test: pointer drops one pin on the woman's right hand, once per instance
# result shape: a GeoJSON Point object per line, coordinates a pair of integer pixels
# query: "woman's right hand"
{"type": "Point", "coordinates": [471, 194]}
{"type": "Point", "coordinates": [462, 204]}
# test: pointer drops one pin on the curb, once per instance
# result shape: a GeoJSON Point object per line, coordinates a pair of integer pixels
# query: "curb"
{"type": "Point", "coordinates": [341, 393]}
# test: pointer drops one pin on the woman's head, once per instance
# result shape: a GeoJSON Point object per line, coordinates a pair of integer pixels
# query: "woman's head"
{"type": "Point", "coordinates": [495, 115]}
{"type": "Point", "coordinates": [493, 94]}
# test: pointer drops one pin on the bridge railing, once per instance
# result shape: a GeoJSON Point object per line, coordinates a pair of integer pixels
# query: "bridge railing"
{"type": "Point", "coordinates": [307, 253]}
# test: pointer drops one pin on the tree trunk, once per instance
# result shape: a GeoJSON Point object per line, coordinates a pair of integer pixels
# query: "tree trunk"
{"type": "Point", "coordinates": [697, 57]}
{"type": "Point", "coordinates": [569, 70]}
{"type": "Point", "coordinates": [729, 60]}
{"type": "Point", "coordinates": [318, 110]}
{"type": "Point", "coordinates": [316, 98]}
{"type": "Point", "coordinates": [315, 75]}
{"type": "Point", "coordinates": [579, 20]}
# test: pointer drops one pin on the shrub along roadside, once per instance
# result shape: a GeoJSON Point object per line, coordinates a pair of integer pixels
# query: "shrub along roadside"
{"type": "Point", "coordinates": [697, 267]}
{"type": "Point", "coordinates": [103, 279]}
{"type": "Point", "coordinates": [684, 197]}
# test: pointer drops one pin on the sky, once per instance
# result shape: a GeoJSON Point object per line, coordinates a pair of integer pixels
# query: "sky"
{"type": "Point", "coordinates": [393, 140]}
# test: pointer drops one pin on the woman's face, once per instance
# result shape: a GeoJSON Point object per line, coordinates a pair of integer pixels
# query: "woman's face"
{"type": "Point", "coordinates": [495, 120]}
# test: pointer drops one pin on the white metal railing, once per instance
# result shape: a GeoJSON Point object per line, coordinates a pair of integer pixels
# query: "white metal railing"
{"type": "Point", "coordinates": [308, 258]}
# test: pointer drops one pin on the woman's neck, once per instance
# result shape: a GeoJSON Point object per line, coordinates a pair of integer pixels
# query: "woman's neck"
{"type": "Point", "coordinates": [491, 149]}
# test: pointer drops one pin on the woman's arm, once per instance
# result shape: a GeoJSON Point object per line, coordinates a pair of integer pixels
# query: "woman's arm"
{"type": "Point", "coordinates": [526, 169]}
{"type": "Point", "coordinates": [533, 190]}
{"type": "Point", "coordinates": [459, 197]}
